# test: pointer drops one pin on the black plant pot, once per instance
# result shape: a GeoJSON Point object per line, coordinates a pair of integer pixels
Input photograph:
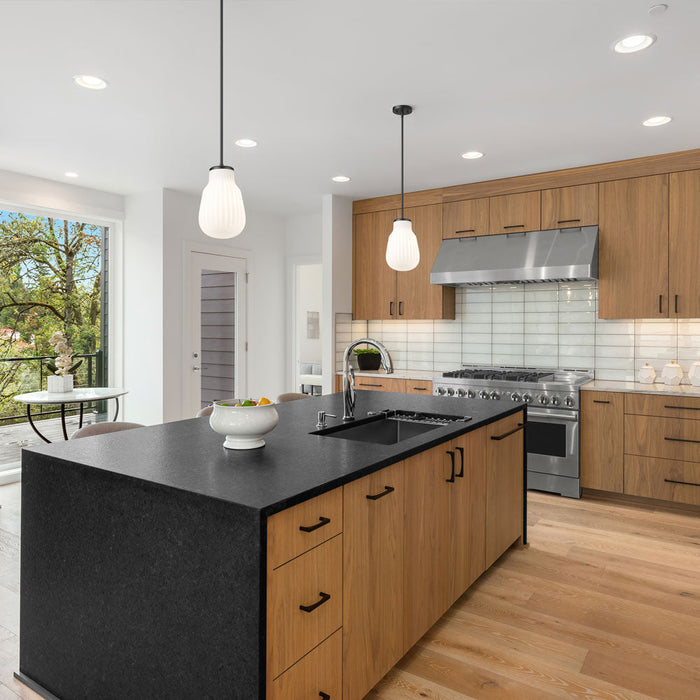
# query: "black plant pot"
{"type": "Point", "coordinates": [368, 361]}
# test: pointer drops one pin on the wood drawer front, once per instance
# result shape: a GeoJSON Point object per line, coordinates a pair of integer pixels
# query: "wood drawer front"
{"type": "Point", "coordinates": [321, 518]}
{"type": "Point", "coordinates": [668, 438]}
{"type": "Point", "coordinates": [319, 672]}
{"type": "Point", "coordinates": [414, 386]}
{"type": "Point", "coordinates": [380, 384]}
{"type": "Point", "coordinates": [305, 581]}
{"type": "Point", "coordinates": [664, 406]}
{"type": "Point", "coordinates": [658, 478]}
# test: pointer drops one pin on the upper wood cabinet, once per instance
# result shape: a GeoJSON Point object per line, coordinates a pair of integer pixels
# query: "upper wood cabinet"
{"type": "Point", "coordinates": [512, 213]}
{"type": "Point", "coordinates": [684, 244]}
{"type": "Point", "coordinates": [565, 207]}
{"type": "Point", "coordinates": [469, 217]}
{"type": "Point", "coordinates": [602, 440]}
{"type": "Point", "coordinates": [633, 248]}
{"type": "Point", "coordinates": [382, 293]}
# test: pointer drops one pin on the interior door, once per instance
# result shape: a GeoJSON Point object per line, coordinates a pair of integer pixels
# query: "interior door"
{"type": "Point", "coordinates": [217, 354]}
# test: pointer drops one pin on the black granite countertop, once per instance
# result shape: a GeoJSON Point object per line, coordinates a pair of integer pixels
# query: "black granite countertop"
{"type": "Point", "coordinates": [292, 467]}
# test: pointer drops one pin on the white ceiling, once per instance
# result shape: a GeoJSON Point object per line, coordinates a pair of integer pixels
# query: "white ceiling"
{"type": "Point", "coordinates": [532, 83]}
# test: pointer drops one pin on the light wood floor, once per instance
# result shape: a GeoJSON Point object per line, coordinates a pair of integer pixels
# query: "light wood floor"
{"type": "Point", "coordinates": [604, 603]}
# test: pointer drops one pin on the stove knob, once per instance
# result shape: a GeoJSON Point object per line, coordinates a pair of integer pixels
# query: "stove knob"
{"type": "Point", "coordinates": [527, 398]}
{"type": "Point", "coordinates": [495, 395]}
{"type": "Point", "coordinates": [440, 390]}
{"type": "Point", "coordinates": [483, 394]}
{"type": "Point", "coordinates": [515, 396]}
{"type": "Point", "coordinates": [461, 392]}
{"type": "Point", "coordinates": [470, 394]}
{"type": "Point", "coordinates": [450, 392]}
{"type": "Point", "coordinates": [570, 401]}
{"type": "Point", "coordinates": [555, 400]}
{"type": "Point", "coordinates": [544, 400]}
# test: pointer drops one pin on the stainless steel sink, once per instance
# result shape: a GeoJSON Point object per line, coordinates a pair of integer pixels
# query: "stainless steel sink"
{"type": "Point", "coordinates": [390, 427]}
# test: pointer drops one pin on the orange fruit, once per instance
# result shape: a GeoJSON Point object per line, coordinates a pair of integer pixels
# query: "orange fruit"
{"type": "Point", "coordinates": [264, 402]}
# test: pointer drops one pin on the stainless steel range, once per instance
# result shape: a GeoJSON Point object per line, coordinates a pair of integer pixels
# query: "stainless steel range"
{"type": "Point", "coordinates": [552, 434]}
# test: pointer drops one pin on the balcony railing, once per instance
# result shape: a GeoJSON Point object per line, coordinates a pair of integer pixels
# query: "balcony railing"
{"type": "Point", "coordinates": [90, 373]}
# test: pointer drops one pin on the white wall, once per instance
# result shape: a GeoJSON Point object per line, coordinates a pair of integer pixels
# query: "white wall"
{"type": "Point", "coordinates": [303, 235]}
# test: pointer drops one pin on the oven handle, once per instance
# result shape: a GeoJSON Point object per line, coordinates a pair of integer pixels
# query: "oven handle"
{"type": "Point", "coordinates": [570, 416]}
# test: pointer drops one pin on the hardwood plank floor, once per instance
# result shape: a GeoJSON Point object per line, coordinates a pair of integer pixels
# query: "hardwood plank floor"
{"type": "Point", "coordinates": [603, 603]}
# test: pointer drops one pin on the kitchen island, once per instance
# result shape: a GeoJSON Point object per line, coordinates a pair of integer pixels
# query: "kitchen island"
{"type": "Point", "coordinates": [155, 563]}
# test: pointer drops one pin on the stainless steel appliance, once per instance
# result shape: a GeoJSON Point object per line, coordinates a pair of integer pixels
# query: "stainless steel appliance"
{"type": "Point", "coordinates": [552, 433]}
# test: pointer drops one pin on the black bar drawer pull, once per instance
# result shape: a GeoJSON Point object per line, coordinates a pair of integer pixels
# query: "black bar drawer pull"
{"type": "Point", "coordinates": [324, 696]}
{"type": "Point", "coordinates": [675, 303]}
{"type": "Point", "coordinates": [467, 230]}
{"type": "Point", "coordinates": [400, 308]}
{"type": "Point", "coordinates": [568, 221]}
{"type": "Point", "coordinates": [685, 483]}
{"type": "Point", "coordinates": [419, 388]}
{"type": "Point", "coordinates": [391, 308]}
{"type": "Point", "coordinates": [310, 528]}
{"type": "Point", "coordinates": [598, 401]}
{"type": "Point", "coordinates": [661, 303]}
{"type": "Point", "coordinates": [681, 440]}
{"type": "Point", "coordinates": [509, 433]}
{"type": "Point", "coordinates": [684, 408]}
{"type": "Point", "coordinates": [366, 384]}
{"type": "Point", "coordinates": [376, 496]}
{"type": "Point", "coordinates": [515, 226]}
{"type": "Point", "coordinates": [461, 454]}
{"type": "Point", "coordinates": [452, 461]}
{"type": "Point", "coordinates": [311, 608]}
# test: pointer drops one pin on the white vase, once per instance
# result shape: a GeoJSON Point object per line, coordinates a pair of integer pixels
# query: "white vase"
{"type": "Point", "coordinates": [646, 374]}
{"type": "Point", "coordinates": [59, 383]}
{"type": "Point", "coordinates": [694, 374]}
{"type": "Point", "coordinates": [672, 374]}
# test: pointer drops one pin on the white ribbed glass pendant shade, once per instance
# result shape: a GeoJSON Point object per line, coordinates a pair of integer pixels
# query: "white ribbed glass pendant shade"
{"type": "Point", "coordinates": [221, 211]}
{"type": "Point", "coordinates": [402, 252]}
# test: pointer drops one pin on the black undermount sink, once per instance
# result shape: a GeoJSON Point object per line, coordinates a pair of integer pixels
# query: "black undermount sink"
{"type": "Point", "coordinates": [390, 427]}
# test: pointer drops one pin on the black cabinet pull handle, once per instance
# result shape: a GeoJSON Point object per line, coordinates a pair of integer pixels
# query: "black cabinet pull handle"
{"type": "Point", "coordinates": [311, 608]}
{"type": "Point", "coordinates": [598, 401]}
{"type": "Point", "coordinates": [366, 384]}
{"type": "Point", "coordinates": [324, 696]}
{"type": "Point", "coordinates": [509, 433]}
{"type": "Point", "coordinates": [681, 440]}
{"type": "Point", "coordinates": [376, 496]}
{"type": "Point", "coordinates": [461, 454]}
{"type": "Point", "coordinates": [452, 460]}
{"type": "Point", "coordinates": [400, 308]}
{"type": "Point", "coordinates": [310, 528]}
{"type": "Point", "coordinates": [419, 388]}
{"type": "Point", "coordinates": [515, 226]}
{"type": "Point", "coordinates": [685, 483]}
{"type": "Point", "coordinates": [675, 303]}
{"type": "Point", "coordinates": [568, 221]}
{"type": "Point", "coordinates": [661, 303]}
{"type": "Point", "coordinates": [684, 408]}
{"type": "Point", "coordinates": [391, 308]}
{"type": "Point", "coordinates": [467, 230]}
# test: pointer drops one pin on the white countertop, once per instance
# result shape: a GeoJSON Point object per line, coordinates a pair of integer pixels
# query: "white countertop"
{"type": "Point", "coordinates": [637, 388]}
{"type": "Point", "coordinates": [424, 374]}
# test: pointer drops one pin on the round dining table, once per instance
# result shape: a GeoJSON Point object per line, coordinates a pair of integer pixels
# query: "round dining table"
{"type": "Point", "coordinates": [77, 396]}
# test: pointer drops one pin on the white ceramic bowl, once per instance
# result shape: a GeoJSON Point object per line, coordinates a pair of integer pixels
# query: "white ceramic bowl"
{"type": "Point", "coordinates": [243, 426]}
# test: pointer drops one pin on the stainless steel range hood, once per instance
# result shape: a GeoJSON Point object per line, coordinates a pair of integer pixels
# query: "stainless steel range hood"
{"type": "Point", "coordinates": [538, 256]}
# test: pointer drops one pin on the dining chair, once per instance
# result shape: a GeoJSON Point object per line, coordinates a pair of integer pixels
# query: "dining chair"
{"type": "Point", "coordinates": [283, 398]}
{"type": "Point", "coordinates": [206, 411]}
{"type": "Point", "coordinates": [103, 429]}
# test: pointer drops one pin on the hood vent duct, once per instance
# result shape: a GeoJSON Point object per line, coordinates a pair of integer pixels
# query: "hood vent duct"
{"type": "Point", "coordinates": [558, 255]}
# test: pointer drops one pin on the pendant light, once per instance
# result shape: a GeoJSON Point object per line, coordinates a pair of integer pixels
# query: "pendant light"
{"type": "Point", "coordinates": [402, 251]}
{"type": "Point", "coordinates": [221, 210]}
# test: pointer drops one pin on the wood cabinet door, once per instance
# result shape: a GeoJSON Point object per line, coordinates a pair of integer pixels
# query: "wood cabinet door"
{"type": "Point", "coordinates": [374, 282]}
{"type": "Point", "coordinates": [564, 207]}
{"type": "Point", "coordinates": [373, 579]}
{"type": "Point", "coordinates": [468, 511]}
{"type": "Point", "coordinates": [468, 217]}
{"type": "Point", "coordinates": [511, 213]}
{"type": "Point", "coordinates": [416, 297]}
{"type": "Point", "coordinates": [427, 541]}
{"type": "Point", "coordinates": [380, 383]}
{"type": "Point", "coordinates": [684, 248]}
{"type": "Point", "coordinates": [504, 485]}
{"type": "Point", "coordinates": [633, 248]}
{"type": "Point", "coordinates": [602, 440]}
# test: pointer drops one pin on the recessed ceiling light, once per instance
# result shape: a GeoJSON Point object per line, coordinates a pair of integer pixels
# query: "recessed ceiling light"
{"type": "Point", "coordinates": [246, 143]}
{"type": "Point", "coordinates": [656, 121]}
{"type": "Point", "coordinates": [471, 155]}
{"type": "Point", "coordinates": [341, 178]}
{"type": "Point", "coordinates": [70, 173]}
{"type": "Point", "coordinates": [633, 43]}
{"type": "Point", "coordinates": [91, 82]}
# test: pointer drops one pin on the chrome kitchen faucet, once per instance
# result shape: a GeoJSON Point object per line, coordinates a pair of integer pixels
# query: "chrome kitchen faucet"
{"type": "Point", "coordinates": [349, 373]}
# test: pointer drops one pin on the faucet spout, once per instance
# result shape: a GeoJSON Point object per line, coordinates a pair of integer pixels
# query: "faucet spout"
{"type": "Point", "coordinates": [349, 373]}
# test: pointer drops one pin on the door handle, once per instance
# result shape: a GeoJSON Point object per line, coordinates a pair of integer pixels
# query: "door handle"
{"type": "Point", "coordinates": [461, 454]}
{"type": "Point", "coordinates": [568, 221]}
{"type": "Point", "coordinates": [400, 308]}
{"type": "Point", "coordinates": [452, 460]}
{"type": "Point", "coordinates": [675, 303]}
{"type": "Point", "coordinates": [310, 608]}
{"type": "Point", "coordinates": [376, 496]}
{"type": "Point", "coordinates": [324, 696]}
{"type": "Point", "coordinates": [509, 433]}
{"type": "Point", "coordinates": [661, 303]}
{"type": "Point", "coordinates": [467, 230]}
{"type": "Point", "coordinates": [195, 368]}
{"type": "Point", "coordinates": [672, 439]}
{"type": "Point", "coordinates": [515, 226]}
{"type": "Point", "coordinates": [391, 308]}
{"type": "Point", "coordinates": [685, 483]}
{"type": "Point", "coordinates": [310, 528]}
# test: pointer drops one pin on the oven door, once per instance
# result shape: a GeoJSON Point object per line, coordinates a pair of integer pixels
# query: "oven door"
{"type": "Point", "coordinates": [552, 441]}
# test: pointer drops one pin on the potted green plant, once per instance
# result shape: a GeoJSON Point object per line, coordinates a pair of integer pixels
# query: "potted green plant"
{"type": "Point", "coordinates": [367, 358]}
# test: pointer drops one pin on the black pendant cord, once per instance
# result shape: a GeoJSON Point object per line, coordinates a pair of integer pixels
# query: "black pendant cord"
{"type": "Point", "coordinates": [402, 166]}
{"type": "Point", "coordinates": [221, 83]}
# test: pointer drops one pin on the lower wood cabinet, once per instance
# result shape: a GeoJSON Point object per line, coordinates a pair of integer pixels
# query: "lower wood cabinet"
{"type": "Point", "coordinates": [419, 386]}
{"type": "Point", "coordinates": [380, 383]}
{"type": "Point", "coordinates": [665, 479]}
{"type": "Point", "coordinates": [373, 605]}
{"type": "Point", "coordinates": [602, 440]}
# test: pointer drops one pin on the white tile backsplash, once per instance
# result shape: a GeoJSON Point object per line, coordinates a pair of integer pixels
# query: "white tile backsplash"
{"type": "Point", "coordinates": [532, 325]}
